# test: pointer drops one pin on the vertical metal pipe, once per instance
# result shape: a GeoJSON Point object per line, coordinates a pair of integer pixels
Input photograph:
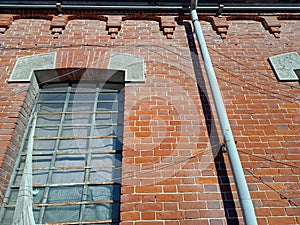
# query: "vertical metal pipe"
{"type": "Point", "coordinates": [235, 163]}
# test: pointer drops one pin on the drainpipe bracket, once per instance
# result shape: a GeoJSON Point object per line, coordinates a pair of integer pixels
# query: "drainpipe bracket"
{"type": "Point", "coordinates": [220, 10]}
{"type": "Point", "coordinates": [59, 8]}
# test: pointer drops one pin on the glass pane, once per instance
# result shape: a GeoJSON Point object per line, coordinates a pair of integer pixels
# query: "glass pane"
{"type": "Point", "coordinates": [46, 131]}
{"type": "Point", "coordinates": [65, 194]}
{"type": "Point", "coordinates": [103, 175]}
{"type": "Point", "coordinates": [43, 145]}
{"type": "Point", "coordinates": [38, 194]}
{"type": "Point", "coordinates": [107, 106]}
{"type": "Point", "coordinates": [52, 96]}
{"type": "Point", "coordinates": [41, 161]}
{"type": "Point", "coordinates": [50, 107]}
{"type": "Point", "coordinates": [18, 178]}
{"type": "Point", "coordinates": [13, 196]}
{"type": "Point", "coordinates": [76, 131]}
{"type": "Point", "coordinates": [40, 176]}
{"type": "Point", "coordinates": [36, 213]}
{"type": "Point", "coordinates": [106, 144]}
{"type": "Point", "coordinates": [70, 160]}
{"type": "Point", "coordinates": [49, 119]}
{"type": "Point", "coordinates": [62, 214]}
{"type": "Point", "coordinates": [108, 131]}
{"type": "Point", "coordinates": [22, 163]}
{"type": "Point", "coordinates": [98, 212]}
{"type": "Point", "coordinates": [8, 216]}
{"type": "Point", "coordinates": [105, 118]}
{"type": "Point", "coordinates": [102, 212]}
{"type": "Point", "coordinates": [78, 118]}
{"type": "Point", "coordinates": [79, 96]}
{"type": "Point", "coordinates": [103, 192]}
{"type": "Point", "coordinates": [108, 96]}
{"type": "Point", "coordinates": [72, 145]}
{"type": "Point", "coordinates": [67, 176]}
{"type": "Point", "coordinates": [81, 107]}
{"type": "Point", "coordinates": [106, 160]}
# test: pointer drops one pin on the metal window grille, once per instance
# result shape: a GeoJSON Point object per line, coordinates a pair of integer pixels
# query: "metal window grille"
{"type": "Point", "coordinates": [76, 160]}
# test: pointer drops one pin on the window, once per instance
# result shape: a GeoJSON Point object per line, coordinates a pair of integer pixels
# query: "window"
{"type": "Point", "coordinates": [76, 156]}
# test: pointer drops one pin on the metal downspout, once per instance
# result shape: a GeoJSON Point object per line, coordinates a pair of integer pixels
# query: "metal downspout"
{"type": "Point", "coordinates": [235, 163]}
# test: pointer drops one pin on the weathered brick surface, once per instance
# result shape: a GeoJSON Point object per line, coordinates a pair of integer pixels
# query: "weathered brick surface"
{"type": "Point", "coordinates": [170, 174]}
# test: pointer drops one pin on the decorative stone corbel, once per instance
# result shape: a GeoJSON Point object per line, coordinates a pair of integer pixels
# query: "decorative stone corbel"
{"type": "Point", "coordinates": [220, 25]}
{"type": "Point", "coordinates": [167, 24]}
{"type": "Point", "coordinates": [272, 24]}
{"type": "Point", "coordinates": [5, 22]}
{"type": "Point", "coordinates": [113, 25]}
{"type": "Point", "coordinates": [58, 24]}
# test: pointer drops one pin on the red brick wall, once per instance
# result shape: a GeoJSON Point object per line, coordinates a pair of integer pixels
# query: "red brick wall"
{"type": "Point", "coordinates": [174, 169]}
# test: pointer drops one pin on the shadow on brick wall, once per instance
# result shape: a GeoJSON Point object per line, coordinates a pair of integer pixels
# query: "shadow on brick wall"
{"type": "Point", "coordinates": [223, 179]}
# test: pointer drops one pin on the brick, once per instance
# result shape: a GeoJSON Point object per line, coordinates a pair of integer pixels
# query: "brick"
{"type": "Point", "coordinates": [191, 205]}
{"type": "Point", "coordinates": [169, 197]}
{"type": "Point", "coordinates": [149, 207]}
{"type": "Point", "coordinates": [148, 189]}
{"type": "Point", "coordinates": [194, 221]}
{"type": "Point", "coordinates": [171, 222]}
{"type": "Point", "coordinates": [171, 215]}
{"type": "Point", "coordinates": [281, 220]}
{"type": "Point", "coordinates": [149, 223]}
{"type": "Point", "coordinates": [148, 215]}
{"type": "Point", "coordinates": [130, 216]}
{"type": "Point", "coordinates": [293, 211]}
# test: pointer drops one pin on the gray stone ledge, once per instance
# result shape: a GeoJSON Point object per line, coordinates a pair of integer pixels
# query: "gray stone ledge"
{"type": "Point", "coordinates": [23, 70]}
{"type": "Point", "coordinates": [285, 65]}
{"type": "Point", "coordinates": [132, 65]}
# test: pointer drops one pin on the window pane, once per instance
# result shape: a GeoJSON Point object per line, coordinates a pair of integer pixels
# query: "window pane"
{"type": "Point", "coordinates": [104, 192]}
{"type": "Point", "coordinates": [104, 175]}
{"type": "Point", "coordinates": [81, 107]}
{"type": "Point", "coordinates": [98, 212]}
{"type": "Point", "coordinates": [107, 106]}
{"type": "Point", "coordinates": [106, 144]}
{"type": "Point", "coordinates": [67, 176]}
{"type": "Point", "coordinates": [46, 131]}
{"type": "Point", "coordinates": [8, 216]}
{"type": "Point", "coordinates": [108, 96]}
{"type": "Point", "coordinates": [52, 97]}
{"type": "Point", "coordinates": [41, 161]}
{"type": "Point", "coordinates": [70, 160]}
{"type": "Point", "coordinates": [43, 145]}
{"type": "Point", "coordinates": [73, 144]}
{"type": "Point", "coordinates": [13, 196]}
{"type": "Point", "coordinates": [40, 176]}
{"type": "Point", "coordinates": [75, 131]}
{"type": "Point", "coordinates": [78, 118]}
{"type": "Point", "coordinates": [49, 119]}
{"type": "Point", "coordinates": [65, 194]}
{"type": "Point", "coordinates": [61, 214]}
{"type": "Point", "coordinates": [81, 96]}
{"type": "Point", "coordinates": [50, 107]}
{"type": "Point", "coordinates": [107, 130]}
{"type": "Point", "coordinates": [106, 160]}
{"type": "Point", "coordinates": [38, 194]}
